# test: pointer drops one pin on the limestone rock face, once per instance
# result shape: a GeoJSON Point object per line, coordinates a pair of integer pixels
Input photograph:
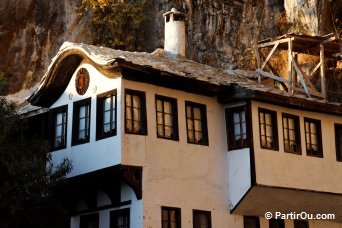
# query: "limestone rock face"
{"type": "Point", "coordinates": [220, 33]}
{"type": "Point", "coordinates": [31, 32]}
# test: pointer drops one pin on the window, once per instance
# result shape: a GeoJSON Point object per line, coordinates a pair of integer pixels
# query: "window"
{"type": "Point", "coordinates": [135, 113]}
{"type": "Point", "coordinates": [89, 221]}
{"type": "Point", "coordinates": [106, 115]}
{"type": "Point", "coordinates": [119, 218]}
{"type": "Point", "coordinates": [276, 223]}
{"type": "Point", "coordinates": [313, 138]}
{"type": "Point", "coordinates": [171, 217]}
{"type": "Point", "coordinates": [338, 141]}
{"type": "Point", "coordinates": [59, 127]}
{"type": "Point", "coordinates": [291, 134]}
{"type": "Point", "coordinates": [268, 129]}
{"type": "Point", "coordinates": [202, 219]}
{"type": "Point", "coordinates": [301, 224]}
{"type": "Point", "coordinates": [167, 120]}
{"type": "Point", "coordinates": [196, 123]}
{"type": "Point", "coordinates": [251, 222]}
{"type": "Point", "coordinates": [81, 122]}
{"type": "Point", "coordinates": [236, 128]}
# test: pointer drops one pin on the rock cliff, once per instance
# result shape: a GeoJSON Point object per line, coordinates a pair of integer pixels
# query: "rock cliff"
{"type": "Point", "coordinates": [220, 33]}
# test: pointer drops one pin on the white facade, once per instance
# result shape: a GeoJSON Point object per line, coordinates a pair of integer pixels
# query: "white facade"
{"type": "Point", "coordinates": [175, 172]}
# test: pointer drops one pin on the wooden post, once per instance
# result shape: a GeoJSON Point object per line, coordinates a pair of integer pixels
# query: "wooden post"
{"type": "Point", "coordinates": [289, 69]}
{"type": "Point", "coordinates": [323, 89]}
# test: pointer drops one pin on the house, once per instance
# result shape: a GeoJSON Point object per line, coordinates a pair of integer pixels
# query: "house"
{"type": "Point", "coordinates": [157, 140]}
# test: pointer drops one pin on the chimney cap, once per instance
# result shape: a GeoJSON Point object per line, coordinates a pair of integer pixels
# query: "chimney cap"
{"type": "Point", "coordinates": [174, 11]}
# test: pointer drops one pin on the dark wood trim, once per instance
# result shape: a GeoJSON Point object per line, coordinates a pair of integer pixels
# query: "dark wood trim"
{"type": "Point", "coordinates": [101, 208]}
{"type": "Point", "coordinates": [178, 215]}
{"type": "Point", "coordinates": [230, 127]}
{"type": "Point", "coordinates": [236, 93]}
{"type": "Point", "coordinates": [338, 143]}
{"type": "Point", "coordinates": [203, 108]}
{"type": "Point", "coordinates": [300, 223]}
{"type": "Point", "coordinates": [251, 141]}
{"type": "Point", "coordinates": [297, 132]}
{"type": "Point", "coordinates": [174, 111]}
{"type": "Point", "coordinates": [195, 212]}
{"type": "Point", "coordinates": [319, 137]}
{"type": "Point", "coordinates": [119, 212]}
{"type": "Point", "coordinates": [299, 103]}
{"type": "Point", "coordinates": [165, 79]}
{"type": "Point", "coordinates": [99, 115]}
{"type": "Point", "coordinates": [75, 125]}
{"type": "Point", "coordinates": [254, 218]}
{"type": "Point", "coordinates": [142, 96]}
{"type": "Point", "coordinates": [274, 128]}
{"type": "Point", "coordinates": [52, 118]}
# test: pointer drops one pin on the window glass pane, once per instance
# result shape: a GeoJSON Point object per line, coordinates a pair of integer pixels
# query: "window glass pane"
{"type": "Point", "coordinates": [237, 129]}
{"type": "Point", "coordinates": [292, 135]}
{"type": "Point", "coordinates": [168, 120]}
{"type": "Point", "coordinates": [136, 101]}
{"type": "Point", "coordinates": [191, 136]}
{"type": "Point", "coordinates": [198, 136]}
{"type": "Point", "coordinates": [188, 111]}
{"type": "Point", "coordinates": [128, 100]}
{"type": "Point", "coordinates": [82, 111]}
{"type": "Point", "coordinates": [261, 118]}
{"type": "Point", "coordinates": [291, 123]}
{"type": "Point", "coordinates": [160, 118]}
{"type": "Point", "coordinates": [313, 128]}
{"type": "Point", "coordinates": [136, 114]}
{"type": "Point", "coordinates": [197, 113]}
{"type": "Point", "coordinates": [198, 125]}
{"type": "Point", "coordinates": [106, 118]}
{"type": "Point", "coordinates": [167, 107]}
{"type": "Point", "coordinates": [236, 117]}
{"type": "Point", "coordinates": [160, 130]}
{"type": "Point", "coordinates": [159, 106]}
{"type": "Point", "coordinates": [243, 116]}
{"type": "Point", "coordinates": [268, 119]}
{"type": "Point", "coordinates": [107, 104]}
{"type": "Point", "coordinates": [269, 131]}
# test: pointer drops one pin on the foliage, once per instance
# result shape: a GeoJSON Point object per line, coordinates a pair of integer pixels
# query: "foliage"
{"type": "Point", "coordinates": [3, 84]}
{"type": "Point", "coordinates": [27, 175]}
{"type": "Point", "coordinates": [114, 23]}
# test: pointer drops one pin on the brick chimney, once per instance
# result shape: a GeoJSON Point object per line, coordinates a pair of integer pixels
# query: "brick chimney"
{"type": "Point", "coordinates": [174, 40]}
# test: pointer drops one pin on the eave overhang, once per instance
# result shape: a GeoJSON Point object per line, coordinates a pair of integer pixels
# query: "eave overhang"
{"type": "Point", "coordinates": [175, 73]}
{"type": "Point", "coordinates": [261, 199]}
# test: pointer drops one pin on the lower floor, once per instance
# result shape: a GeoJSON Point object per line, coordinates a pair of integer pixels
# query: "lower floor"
{"type": "Point", "coordinates": [132, 212]}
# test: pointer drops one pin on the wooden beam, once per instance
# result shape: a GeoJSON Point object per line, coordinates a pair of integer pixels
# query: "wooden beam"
{"type": "Point", "coordinates": [321, 55]}
{"type": "Point", "coordinates": [315, 69]}
{"type": "Point", "coordinates": [301, 78]}
{"type": "Point", "coordinates": [266, 81]}
{"type": "Point", "coordinates": [257, 55]}
{"type": "Point", "coordinates": [312, 86]}
{"type": "Point", "coordinates": [266, 74]}
{"type": "Point", "coordinates": [317, 94]}
{"type": "Point", "coordinates": [269, 55]}
{"type": "Point", "coordinates": [289, 68]}
{"type": "Point", "coordinates": [329, 40]}
{"type": "Point", "coordinates": [274, 42]}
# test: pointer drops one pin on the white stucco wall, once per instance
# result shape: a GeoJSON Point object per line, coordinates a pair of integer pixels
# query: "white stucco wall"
{"type": "Point", "coordinates": [179, 174]}
{"type": "Point", "coordinates": [278, 168]}
{"type": "Point", "coordinates": [239, 170]}
{"type": "Point", "coordinates": [93, 155]}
